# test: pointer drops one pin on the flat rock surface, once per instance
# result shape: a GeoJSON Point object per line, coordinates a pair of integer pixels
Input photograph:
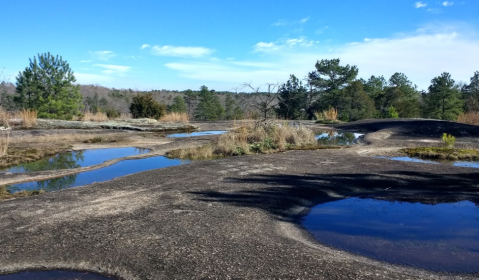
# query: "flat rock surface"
{"type": "Point", "coordinates": [232, 218]}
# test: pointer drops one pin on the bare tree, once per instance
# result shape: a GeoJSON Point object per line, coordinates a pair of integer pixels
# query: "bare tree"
{"type": "Point", "coordinates": [265, 102]}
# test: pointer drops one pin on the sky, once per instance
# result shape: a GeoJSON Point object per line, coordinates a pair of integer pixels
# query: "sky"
{"type": "Point", "coordinates": [179, 45]}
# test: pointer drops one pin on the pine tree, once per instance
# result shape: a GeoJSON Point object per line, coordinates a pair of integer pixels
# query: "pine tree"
{"type": "Point", "coordinates": [46, 86]}
{"type": "Point", "coordinates": [209, 108]}
{"type": "Point", "coordinates": [292, 99]}
{"type": "Point", "coordinates": [443, 101]}
{"type": "Point", "coordinates": [178, 105]}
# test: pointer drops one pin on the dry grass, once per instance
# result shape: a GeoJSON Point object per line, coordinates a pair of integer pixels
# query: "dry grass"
{"type": "Point", "coordinates": [4, 141]}
{"type": "Point", "coordinates": [250, 140]}
{"type": "Point", "coordinates": [175, 117]}
{"type": "Point", "coordinates": [4, 117]}
{"type": "Point", "coordinates": [29, 118]}
{"type": "Point", "coordinates": [469, 118]}
{"type": "Point", "coordinates": [124, 116]}
{"type": "Point", "coordinates": [97, 117]}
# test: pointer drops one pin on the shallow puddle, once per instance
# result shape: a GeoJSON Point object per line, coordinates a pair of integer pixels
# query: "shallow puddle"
{"type": "Point", "coordinates": [118, 169]}
{"type": "Point", "coordinates": [441, 237]}
{"type": "Point", "coordinates": [333, 138]}
{"type": "Point", "coordinates": [473, 164]}
{"type": "Point", "coordinates": [55, 275]}
{"type": "Point", "coordinates": [199, 133]}
{"type": "Point", "coordinates": [75, 159]}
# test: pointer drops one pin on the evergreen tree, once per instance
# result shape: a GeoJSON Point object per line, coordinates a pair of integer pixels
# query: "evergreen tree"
{"type": "Point", "coordinates": [471, 94]}
{"type": "Point", "coordinates": [178, 105]}
{"type": "Point", "coordinates": [95, 104]}
{"type": "Point", "coordinates": [406, 97]}
{"type": "Point", "coordinates": [145, 106]}
{"type": "Point", "coordinates": [357, 105]}
{"type": "Point", "coordinates": [46, 86]}
{"type": "Point", "coordinates": [443, 100]}
{"type": "Point", "coordinates": [209, 107]}
{"type": "Point", "coordinates": [230, 104]}
{"type": "Point", "coordinates": [292, 99]}
{"type": "Point", "coordinates": [329, 79]}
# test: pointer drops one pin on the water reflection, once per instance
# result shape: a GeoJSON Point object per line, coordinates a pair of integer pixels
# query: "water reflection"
{"type": "Point", "coordinates": [55, 275]}
{"type": "Point", "coordinates": [200, 133]}
{"type": "Point", "coordinates": [332, 138]}
{"type": "Point", "coordinates": [118, 169]}
{"type": "Point", "coordinates": [76, 159]}
{"type": "Point", "coordinates": [473, 164]}
{"type": "Point", "coordinates": [439, 237]}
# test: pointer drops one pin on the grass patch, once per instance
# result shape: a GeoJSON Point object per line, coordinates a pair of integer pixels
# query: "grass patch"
{"type": "Point", "coordinates": [469, 118]}
{"type": "Point", "coordinates": [6, 194]}
{"type": "Point", "coordinates": [253, 140]}
{"type": "Point", "coordinates": [445, 153]}
{"type": "Point", "coordinates": [94, 117]}
{"type": "Point", "coordinates": [175, 117]}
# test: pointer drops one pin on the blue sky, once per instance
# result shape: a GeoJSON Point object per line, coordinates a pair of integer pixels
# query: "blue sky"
{"type": "Point", "coordinates": [223, 44]}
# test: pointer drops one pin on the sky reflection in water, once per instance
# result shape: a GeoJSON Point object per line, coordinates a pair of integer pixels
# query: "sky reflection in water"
{"type": "Point", "coordinates": [439, 237]}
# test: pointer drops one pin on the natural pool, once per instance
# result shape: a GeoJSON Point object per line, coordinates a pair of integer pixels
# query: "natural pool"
{"type": "Point", "coordinates": [55, 275]}
{"type": "Point", "coordinates": [75, 159]}
{"type": "Point", "coordinates": [118, 169]}
{"type": "Point", "coordinates": [335, 138]}
{"type": "Point", "coordinates": [441, 237]}
{"type": "Point", "coordinates": [473, 164]}
{"type": "Point", "coordinates": [199, 133]}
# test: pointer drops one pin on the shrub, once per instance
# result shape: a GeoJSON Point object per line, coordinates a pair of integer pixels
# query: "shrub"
{"type": "Point", "coordinates": [392, 113]}
{"type": "Point", "coordinates": [112, 113]}
{"type": "Point", "coordinates": [145, 106]}
{"type": "Point", "coordinates": [448, 140]}
{"type": "Point", "coordinates": [96, 117]}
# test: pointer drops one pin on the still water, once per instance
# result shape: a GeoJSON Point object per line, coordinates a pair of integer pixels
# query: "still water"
{"type": "Point", "coordinates": [439, 237]}
{"type": "Point", "coordinates": [334, 138]}
{"type": "Point", "coordinates": [473, 164]}
{"type": "Point", "coordinates": [75, 159]}
{"type": "Point", "coordinates": [200, 133]}
{"type": "Point", "coordinates": [118, 169]}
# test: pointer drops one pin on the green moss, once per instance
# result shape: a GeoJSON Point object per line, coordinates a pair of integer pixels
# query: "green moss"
{"type": "Point", "coordinates": [442, 153]}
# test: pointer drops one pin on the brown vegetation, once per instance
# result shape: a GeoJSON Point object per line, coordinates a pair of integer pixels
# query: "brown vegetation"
{"type": "Point", "coordinates": [469, 118]}
{"type": "Point", "coordinates": [251, 140]}
{"type": "Point", "coordinates": [442, 153]}
{"type": "Point", "coordinates": [175, 117]}
{"type": "Point", "coordinates": [94, 117]}
{"type": "Point", "coordinates": [5, 194]}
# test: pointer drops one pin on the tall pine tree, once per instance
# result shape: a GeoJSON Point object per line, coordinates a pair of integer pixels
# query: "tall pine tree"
{"type": "Point", "coordinates": [443, 100]}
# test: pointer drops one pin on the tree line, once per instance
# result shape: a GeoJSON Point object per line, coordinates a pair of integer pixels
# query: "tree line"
{"type": "Point", "coordinates": [47, 86]}
{"type": "Point", "coordinates": [333, 85]}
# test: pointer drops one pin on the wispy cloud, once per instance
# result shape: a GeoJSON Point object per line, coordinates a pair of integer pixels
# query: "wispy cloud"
{"type": "Point", "coordinates": [421, 55]}
{"type": "Point", "coordinates": [304, 20]}
{"type": "Point", "coordinates": [113, 69]}
{"type": "Point", "coordinates": [283, 44]}
{"type": "Point", "coordinates": [181, 51]}
{"type": "Point", "coordinates": [103, 55]}
{"type": "Point", "coordinates": [420, 4]}
{"type": "Point", "coordinates": [447, 3]}
{"type": "Point", "coordinates": [145, 46]}
{"type": "Point", "coordinates": [85, 61]}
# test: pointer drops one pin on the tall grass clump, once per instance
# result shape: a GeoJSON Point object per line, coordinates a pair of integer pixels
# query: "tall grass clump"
{"type": "Point", "coordinates": [327, 116]}
{"type": "Point", "coordinates": [469, 118]}
{"type": "Point", "coordinates": [94, 117]}
{"type": "Point", "coordinates": [29, 118]}
{"type": "Point", "coordinates": [4, 117]}
{"type": "Point", "coordinates": [175, 117]}
{"type": "Point", "coordinates": [251, 140]}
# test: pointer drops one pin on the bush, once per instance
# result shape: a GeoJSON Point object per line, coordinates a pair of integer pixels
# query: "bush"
{"type": "Point", "coordinates": [392, 113]}
{"type": "Point", "coordinates": [112, 113]}
{"type": "Point", "coordinates": [144, 106]}
{"type": "Point", "coordinates": [448, 140]}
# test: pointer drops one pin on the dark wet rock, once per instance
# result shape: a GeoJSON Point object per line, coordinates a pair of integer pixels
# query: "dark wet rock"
{"type": "Point", "coordinates": [134, 124]}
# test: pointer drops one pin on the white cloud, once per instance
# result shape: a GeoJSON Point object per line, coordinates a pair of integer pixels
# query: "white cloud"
{"type": "Point", "coordinates": [265, 47]}
{"type": "Point", "coordinates": [420, 5]}
{"type": "Point", "coordinates": [145, 46]}
{"type": "Point", "coordinates": [304, 20]}
{"type": "Point", "coordinates": [92, 79]}
{"type": "Point", "coordinates": [113, 69]}
{"type": "Point", "coordinates": [181, 51]}
{"type": "Point", "coordinates": [421, 55]}
{"type": "Point", "coordinates": [103, 55]}
{"type": "Point", "coordinates": [85, 61]}
{"type": "Point", "coordinates": [447, 3]}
